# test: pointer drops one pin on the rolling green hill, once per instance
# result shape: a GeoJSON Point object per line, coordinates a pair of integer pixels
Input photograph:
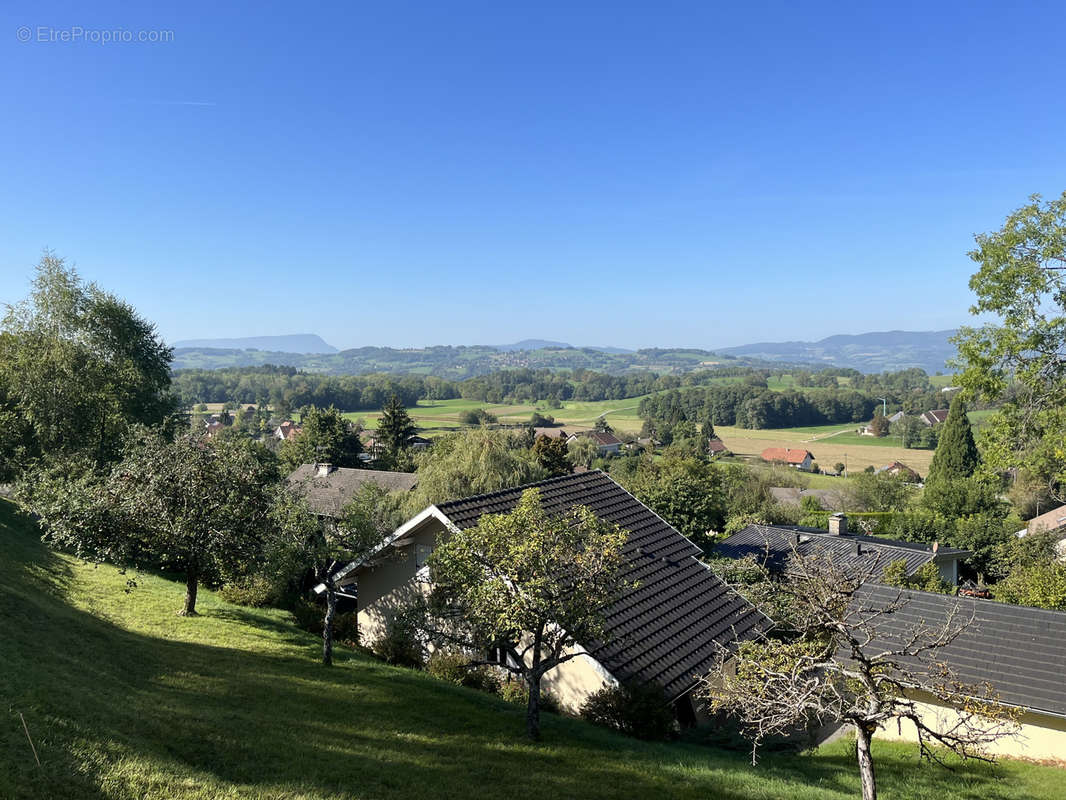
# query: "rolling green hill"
{"type": "Point", "coordinates": [126, 700]}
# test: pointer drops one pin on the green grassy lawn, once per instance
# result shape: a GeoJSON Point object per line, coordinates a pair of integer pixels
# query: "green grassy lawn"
{"type": "Point", "coordinates": [126, 700]}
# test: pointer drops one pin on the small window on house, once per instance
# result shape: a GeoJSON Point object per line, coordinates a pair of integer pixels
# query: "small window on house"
{"type": "Point", "coordinates": [422, 554]}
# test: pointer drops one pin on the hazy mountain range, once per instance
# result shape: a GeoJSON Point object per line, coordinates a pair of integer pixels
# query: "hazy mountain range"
{"type": "Point", "coordinates": [867, 352]}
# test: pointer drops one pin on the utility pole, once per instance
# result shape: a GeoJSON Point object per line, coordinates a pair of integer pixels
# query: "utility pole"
{"type": "Point", "coordinates": [884, 407]}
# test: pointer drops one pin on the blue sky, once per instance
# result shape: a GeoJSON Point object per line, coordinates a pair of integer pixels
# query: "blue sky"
{"type": "Point", "coordinates": [664, 174]}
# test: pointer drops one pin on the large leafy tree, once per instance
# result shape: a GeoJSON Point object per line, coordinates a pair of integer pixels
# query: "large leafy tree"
{"type": "Point", "coordinates": [686, 492]}
{"type": "Point", "coordinates": [325, 436]}
{"type": "Point", "coordinates": [529, 586]}
{"type": "Point", "coordinates": [552, 454]}
{"type": "Point", "coordinates": [472, 462]}
{"type": "Point", "coordinates": [1019, 358]}
{"type": "Point", "coordinates": [201, 507]}
{"type": "Point", "coordinates": [78, 367]}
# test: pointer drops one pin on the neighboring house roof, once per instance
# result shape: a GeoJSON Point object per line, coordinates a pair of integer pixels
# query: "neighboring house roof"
{"type": "Point", "coordinates": [934, 417]}
{"type": "Point", "coordinates": [897, 416]}
{"type": "Point", "coordinates": [774, 544]}
{"type": "Point", "coordinates": [716, 445]}
{"type": "Point", "coordinates": [829, 499]}
{"type": "Point", "coordinates": [287, 430]}
{"type": "Point", "coordinates": [1020, 651]}
{"type": "Point", "coordinates": [1050, 521]}
{"type": "Point", "coordinates": [895, 467]}
{"type": "Point", "coordinates": [672, 626]}
{"type": "Point", "coordinates": [786, 454]}
{"type": "Point", "coordinates": [599, 437]}
{"type": "Point", "coordinates": [329, 489]}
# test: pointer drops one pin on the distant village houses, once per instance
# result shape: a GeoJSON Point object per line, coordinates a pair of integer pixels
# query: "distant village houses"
{"type": "Point", "coordinates": [800, 459]}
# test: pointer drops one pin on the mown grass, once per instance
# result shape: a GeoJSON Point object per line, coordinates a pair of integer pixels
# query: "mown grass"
{"type": "Point", "coordinates": [126, 700]}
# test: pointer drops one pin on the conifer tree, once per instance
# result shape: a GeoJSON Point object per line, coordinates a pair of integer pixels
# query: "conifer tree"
{"type": "Point", "coordinates": [956, 455]}
{"type": "Point", "coordinates": [395, 426]}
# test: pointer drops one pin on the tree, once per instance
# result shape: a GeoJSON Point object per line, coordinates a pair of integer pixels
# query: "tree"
{"type": "Point", "coordinates": [954, 463]}
{"type": "Point", "coordinates": [472, 462]}
{"type": "Point", "coordinates": [530, 586]}
{"type": "Point", "coordinates": [880, 425]}
{"type": "Point", "coordinates": [835, 661]}
{"type": "Point", "coordinates": [552, 454]}
{"type": "Point", "coordinates": [583, 451]}
{"type": "Point", "coordinates": [602, 426]}
{"type": "Point", "coordinates": [78, 368]}
{"type": "Point", "coordinates": [325, 543]}
{"type": "Point", "coordinates": [395, 426]}
{"type": "Point", "coordinates": [1018, 359]}
{"type": "Point", "coordinates": [196, 506]}
{"type": "Point", "coordinates": [686, 492]}
{"type": "Point", "coordinates": [879, 491]}
{"type": "Point", "coordinates": [325, 437]}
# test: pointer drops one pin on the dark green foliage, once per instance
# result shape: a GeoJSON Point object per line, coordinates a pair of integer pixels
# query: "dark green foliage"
{"type": "Point", "coordinates": [551, 453]}
{"type": "Point", "coordinates": [308, 616]}
{"type": "Point", "coordinates": [879, 491]}
{"type": "Point", "coordinates": [926, 578]}
{"type": "Point", "coordinates": [395, 426]}
{"type": "Point", "coordinates": [538, 420]}
{"type": "Point", "coordinates": [478, 416]}
{"type": "Point", "coordinates": [400, 644]}
{"type": "Point", "coordinates": [956, 453]}
{"type": "Point", "coordinates": [603, 426]}
{"type": "Point", "coordinates": [639, 711]}
{"type": "Point", "coordinates": [325, 436]}
{"type": "Point", "coordinates": [686, 492]}
{"type": "Point", "coordinates": [517, 692]}
{"type": "Point", "coordinates": [454, 667]}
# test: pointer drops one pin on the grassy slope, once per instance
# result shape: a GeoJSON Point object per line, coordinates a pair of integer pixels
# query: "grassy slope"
{"type": "Point", "coordinates": [126, 700]}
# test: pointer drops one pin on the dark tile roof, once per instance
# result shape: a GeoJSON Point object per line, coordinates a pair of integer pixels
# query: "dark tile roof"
{"type": "Point", "coordinates": [1020, 651]}
{"type": "Point", "coordinates": [775, 543]}
{"type": "Point", "coordinates": [327, 495]}
{"type": "Point", "coordinates": [670, 628]}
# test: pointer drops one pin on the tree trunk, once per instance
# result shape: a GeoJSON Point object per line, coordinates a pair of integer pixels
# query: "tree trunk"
{"type": "Point", "coordinates": [533, 709]}
{"type": "Point", "coordinates": [191, 583]}
{"type": "Point", "coordinates": [327, 623]}
{"type": "Point", "coordinates": [863, 737]}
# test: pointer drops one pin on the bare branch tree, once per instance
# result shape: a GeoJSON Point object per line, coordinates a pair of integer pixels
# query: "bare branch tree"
{"type": "Point", "coordinates": [845, 654]}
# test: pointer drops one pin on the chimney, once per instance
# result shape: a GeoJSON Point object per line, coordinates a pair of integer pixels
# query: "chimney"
{"type": "Point", "coordinates": [838, 524]}
{"type": "Point", "coordinates": [323, 469]}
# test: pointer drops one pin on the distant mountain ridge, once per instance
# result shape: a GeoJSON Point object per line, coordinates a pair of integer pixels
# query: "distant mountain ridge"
{"type": "Point", "coordinates": [300, 343]}
{"type": "Point", "coordinates": [868, 352]}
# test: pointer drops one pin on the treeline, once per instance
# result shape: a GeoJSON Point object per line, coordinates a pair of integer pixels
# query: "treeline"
{"type": "Point", "coordinates": [288, 387]}
{"type": "Point", "coordinates": [747, 406]}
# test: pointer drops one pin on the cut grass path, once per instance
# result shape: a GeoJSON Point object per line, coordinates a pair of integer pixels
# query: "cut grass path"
{"type": "Point", "coordinates": [126, 700]}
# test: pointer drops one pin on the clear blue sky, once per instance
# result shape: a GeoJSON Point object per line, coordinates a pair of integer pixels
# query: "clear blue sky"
{"type": "Point", "coordinates": [637, 175]}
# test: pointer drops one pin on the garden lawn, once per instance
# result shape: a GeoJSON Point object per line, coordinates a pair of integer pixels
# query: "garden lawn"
{"type": "Point", "coordinates": [124, 699]}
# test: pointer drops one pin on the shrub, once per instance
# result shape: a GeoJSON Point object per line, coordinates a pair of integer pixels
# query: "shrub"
{"type": "Point", "coordinates": [454, 667]}
{"type": "Point", "coordinates": [254, 590]}
{"type": "Point", "coordinates": [310, 617]}
{"type": "Point", "coordinates": [640, 711]}
{"type": "Point", "coordinates": [515, 691]}
{"type": "Point", "coordinates": [400, 645]}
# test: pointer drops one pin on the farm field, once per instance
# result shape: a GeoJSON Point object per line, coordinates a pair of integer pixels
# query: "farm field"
{"type": "Point", "coordinates": [439, 416]}
{"type": "Point", "coordinates": [858, 452]}
{"type": "Point", "coordinates": [127, 701]}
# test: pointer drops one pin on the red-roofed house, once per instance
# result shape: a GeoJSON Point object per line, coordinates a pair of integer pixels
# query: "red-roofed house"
{"type": "Point", "coordinates": [800, 459]}
{"type": "Point", "coordinates": [716, 447]}
{"type": "Point", "coordinates": [932, 418]}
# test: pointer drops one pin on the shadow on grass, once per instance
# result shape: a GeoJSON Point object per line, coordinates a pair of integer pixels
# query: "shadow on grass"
{"type": "Point", "coordinates": [117, 714]}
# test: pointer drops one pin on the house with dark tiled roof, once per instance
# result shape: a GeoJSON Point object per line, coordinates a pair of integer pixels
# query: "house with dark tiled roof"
{"type": "Point", "coordinates": [800, 459]}
{"type": "Point", "coordinates": [931, 418]}
{"type": "Point", "coordinates": [899, 468]}
{"type": "Point", "coordinates": [773, 545]}
{"type": "Point", "coordinates": [607, 443]}
{"type": "Point", "coordinates": [716, 447]}
{"type": "Point", "coordinates": [667, 630]}
{"type": "Point", "coordinates": [329, 489]}
{"type": "Point", "coordinates": [1020, 652]}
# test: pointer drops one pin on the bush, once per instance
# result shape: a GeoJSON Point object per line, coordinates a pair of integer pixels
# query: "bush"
{"type": "Point", "coordinates": [400, 645]}
{"type": "Point", "coordinates": [310, 617]}
{"type": "Point", "coordinates": [453, 667]}
{"type": "Point", "coordinates": [640, 711]}
{"type": "Point", "coordinates": [515, 691]}
{"type": "Point", "coordinates": [256, 591]}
